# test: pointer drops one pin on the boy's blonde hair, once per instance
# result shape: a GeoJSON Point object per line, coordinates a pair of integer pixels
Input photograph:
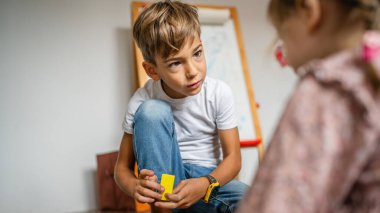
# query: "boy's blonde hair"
{"type": "Point", "coordinates": [365, 10]}
{"type": "Point", "coordinates": [164, 27]}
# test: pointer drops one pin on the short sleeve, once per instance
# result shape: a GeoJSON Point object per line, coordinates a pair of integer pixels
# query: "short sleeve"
{"type": "Point", "coordinates": [138, 98]}
{"type": "Point", "coordinates": [225, 107]}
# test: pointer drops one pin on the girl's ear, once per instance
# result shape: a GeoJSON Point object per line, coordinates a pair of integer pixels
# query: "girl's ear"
{"type": "Point", "coordinates": [151, 70]}
{"type": "Point", "coordinates": [313, 10]}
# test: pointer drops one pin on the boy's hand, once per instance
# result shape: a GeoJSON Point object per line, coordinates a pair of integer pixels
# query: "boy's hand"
{"type": "Point", "coordinates": [146, 187]}
{"type": "Point", "coordinates": [185, 194]}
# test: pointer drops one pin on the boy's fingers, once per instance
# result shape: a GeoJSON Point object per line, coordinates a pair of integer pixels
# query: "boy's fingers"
{"type": "Point", "coordinates": [179, 187]}
{"type": "Point", "coordinates": [146, 192]}
{"type": "Point", "coordinates": [166, 205]}
{"type": "Point", "coordinates": [152, 185]}
{"type": "Point", "coordinates": [153, 178]}
{"type": "Point", "coordinates": [174, 197]}
{"type": "Point", "coordinates": [143, 199]}
{"type": "Point", "coordinates": [145, 172]}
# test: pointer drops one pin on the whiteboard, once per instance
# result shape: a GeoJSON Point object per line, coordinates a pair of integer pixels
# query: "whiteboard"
{"type": "Point", "coordinates": [224, 63]}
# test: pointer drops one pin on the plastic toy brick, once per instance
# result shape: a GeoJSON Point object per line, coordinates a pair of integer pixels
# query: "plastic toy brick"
{"type": "Point", "coordinates": [167, 181]}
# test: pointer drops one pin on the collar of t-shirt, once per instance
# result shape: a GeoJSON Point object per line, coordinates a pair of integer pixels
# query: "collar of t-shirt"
{"type": "Point", "coordinates": [163, 96]}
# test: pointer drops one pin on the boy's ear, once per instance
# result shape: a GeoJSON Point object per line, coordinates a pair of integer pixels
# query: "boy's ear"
{"type": "Point", "coordinates": [313, 12]}
{"type": "Point", "coordinates": [151, 70]}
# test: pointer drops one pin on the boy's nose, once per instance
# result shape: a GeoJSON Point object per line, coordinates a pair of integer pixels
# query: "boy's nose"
{"type": "Point", "coordinates": [191, 71]}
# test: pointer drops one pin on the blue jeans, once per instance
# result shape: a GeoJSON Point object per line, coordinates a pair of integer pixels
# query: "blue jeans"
{"type": "Point", "coordinates": [156, 148]}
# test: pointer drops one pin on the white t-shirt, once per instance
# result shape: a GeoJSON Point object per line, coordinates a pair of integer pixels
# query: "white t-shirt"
{"type": "Point", "coordinates": [197, 118]}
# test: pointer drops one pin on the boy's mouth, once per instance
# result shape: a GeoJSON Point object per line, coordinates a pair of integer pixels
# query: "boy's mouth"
{"type": "Point", "coordinates": [194, 85]}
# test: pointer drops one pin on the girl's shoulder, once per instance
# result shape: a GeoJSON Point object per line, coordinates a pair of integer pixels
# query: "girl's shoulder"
{"type": "Point", "coordinates": [342, 71]}
{"type": "Point", "coordinates": [339, 82]}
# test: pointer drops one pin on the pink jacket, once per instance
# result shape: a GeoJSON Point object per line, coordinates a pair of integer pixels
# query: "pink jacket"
{"type": "Point", "coordinates": [325, 153]}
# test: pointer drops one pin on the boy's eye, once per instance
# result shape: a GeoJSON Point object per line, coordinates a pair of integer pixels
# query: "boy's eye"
{"type": "Point", "coordinates": [198, 53]}
{"type": "Point", "coordinates": [174, 64]}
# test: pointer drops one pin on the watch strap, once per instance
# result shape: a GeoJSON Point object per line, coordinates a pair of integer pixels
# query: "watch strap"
{"type": "Point", "coordinates": [213, 185]}
{"type": "Point", "coordinates": [211, 179]}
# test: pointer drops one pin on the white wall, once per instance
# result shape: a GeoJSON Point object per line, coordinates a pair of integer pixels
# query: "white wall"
{"type": "Point", "coordinates": [65, 80]}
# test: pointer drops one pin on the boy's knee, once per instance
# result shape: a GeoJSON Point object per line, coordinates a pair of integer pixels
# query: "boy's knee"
{"type": "Point", "coordinates": [154, 110]}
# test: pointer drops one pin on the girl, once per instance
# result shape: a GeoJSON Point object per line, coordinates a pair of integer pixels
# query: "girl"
{"type": "Point", "coordinates": [325, 153]}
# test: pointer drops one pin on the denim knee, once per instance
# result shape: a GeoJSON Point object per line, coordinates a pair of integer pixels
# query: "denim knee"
{"type": "Point", "coordinates": [152, 111]}
{"type": "Point", "coordinates": [154, 139]}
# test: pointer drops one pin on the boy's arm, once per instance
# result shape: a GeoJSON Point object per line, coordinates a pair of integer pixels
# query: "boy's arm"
{"type": "Point", "coordinates": [228, 134]}
{"type": "Point", "coordinates": [140, 188]}
{"type": "Point", "coordinates": [232, 157]}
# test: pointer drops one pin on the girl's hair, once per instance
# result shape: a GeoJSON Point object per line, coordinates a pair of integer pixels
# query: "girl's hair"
{"type": "Point", "coordinates": [366, 10]}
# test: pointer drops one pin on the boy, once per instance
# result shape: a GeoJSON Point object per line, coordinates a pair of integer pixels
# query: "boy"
{"type": "Point", "coordinates": [181, 122]}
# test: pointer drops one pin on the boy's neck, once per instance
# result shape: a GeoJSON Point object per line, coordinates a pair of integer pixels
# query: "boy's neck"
{"type": "Point", "coordinates": [169, 92]}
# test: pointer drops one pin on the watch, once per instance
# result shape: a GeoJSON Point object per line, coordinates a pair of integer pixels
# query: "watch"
{"type": "Point", "coordinates": [212, 189]}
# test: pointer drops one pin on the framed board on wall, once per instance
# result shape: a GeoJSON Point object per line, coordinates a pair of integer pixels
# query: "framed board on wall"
{"type": "Point", "coordinates": [226, 60]}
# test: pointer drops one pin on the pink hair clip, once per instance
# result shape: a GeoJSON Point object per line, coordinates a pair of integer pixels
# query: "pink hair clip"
{"type": "Point", "coordinates": [280, 56]}
{"type": "Point", "coordinates": [371, 46]}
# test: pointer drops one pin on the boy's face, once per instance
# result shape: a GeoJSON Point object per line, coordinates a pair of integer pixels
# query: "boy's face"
{"type": "Point", "coordinates": [182, 74]}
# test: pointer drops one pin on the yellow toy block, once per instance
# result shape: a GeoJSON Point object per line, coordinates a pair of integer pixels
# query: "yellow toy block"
{"type": "Point", "coordinates": [167, 181]}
